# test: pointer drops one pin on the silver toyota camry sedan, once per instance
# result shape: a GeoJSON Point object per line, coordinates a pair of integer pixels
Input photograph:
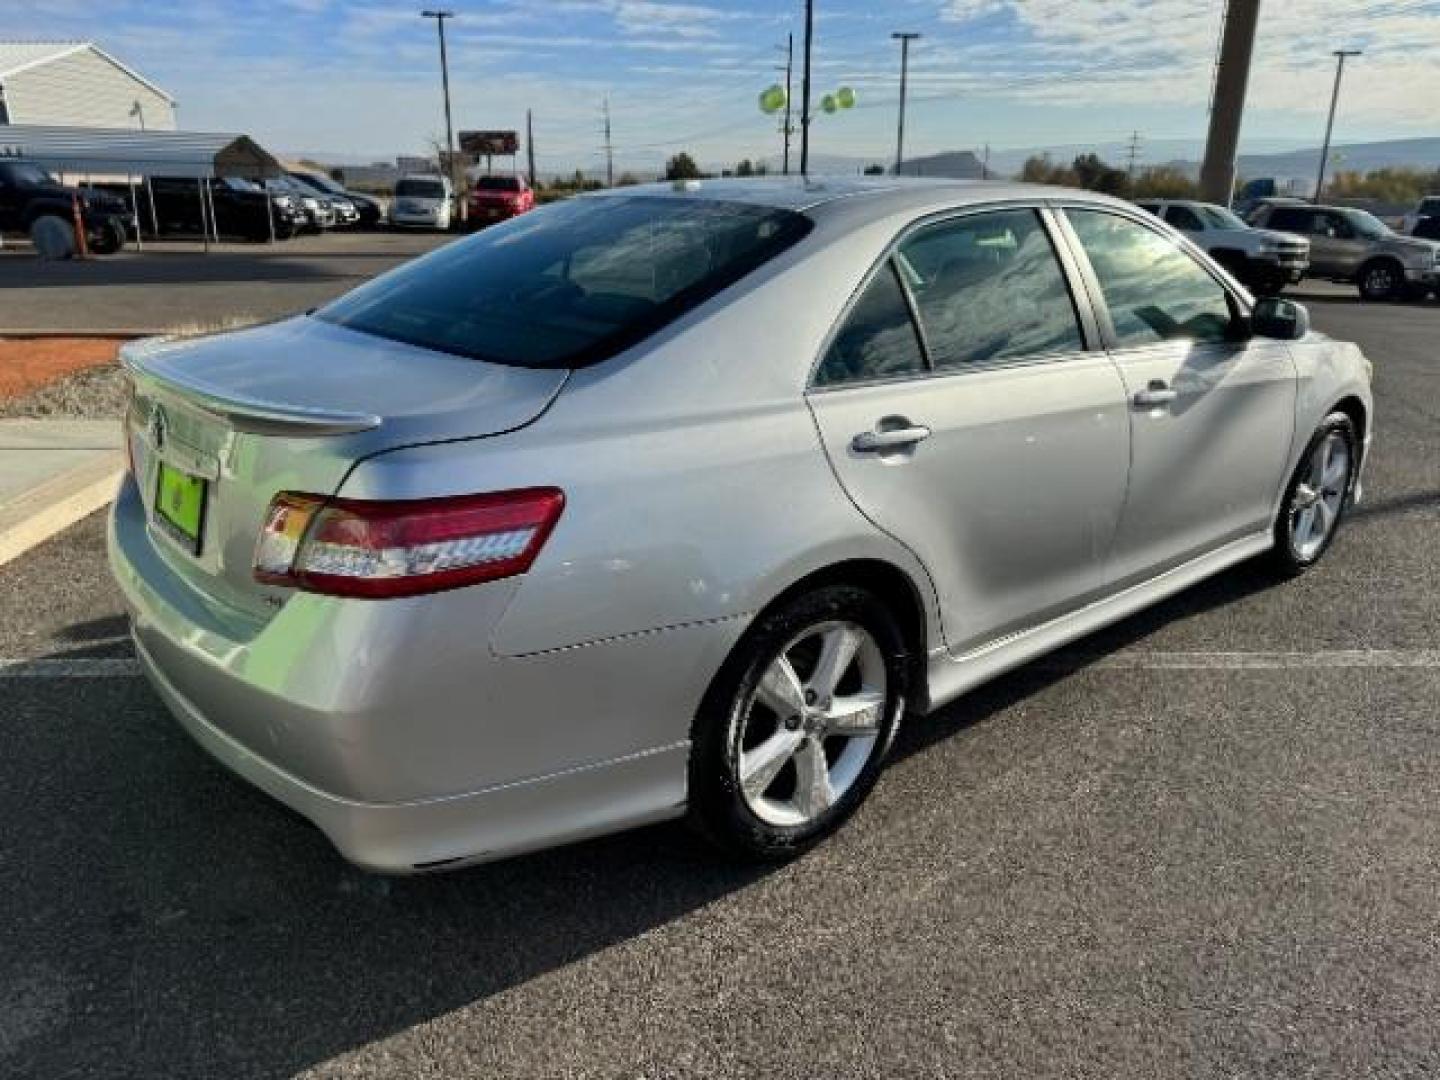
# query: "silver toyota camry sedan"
{"type": "Point", "coordinates": [672, 501]}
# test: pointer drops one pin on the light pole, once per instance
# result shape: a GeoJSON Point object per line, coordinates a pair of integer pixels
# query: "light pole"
{"type": "Point", "coordinates": [904, 38]}
{"type": "Point", "coordinates": [805, 90]}
{"type": "Point", "coordinates": [440, 16]}
{"type": "Point", "coordinates": [1340, 55]}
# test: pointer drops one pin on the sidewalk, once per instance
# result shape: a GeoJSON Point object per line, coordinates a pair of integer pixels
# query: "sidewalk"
{"type": "Point", "coordinates": [53, 473]}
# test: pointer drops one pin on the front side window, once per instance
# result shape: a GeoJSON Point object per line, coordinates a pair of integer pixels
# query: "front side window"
{"type": "Point", "coordinates": [988, 288]}
{"type": "Point", "coordinates": [1294, 219]}
{"type": "Point", "coordinates": [878, 339]}
{"type": "Point", "coordinates": [1155, 291]}
{"type": "Point", "coordinates": [571, 283]}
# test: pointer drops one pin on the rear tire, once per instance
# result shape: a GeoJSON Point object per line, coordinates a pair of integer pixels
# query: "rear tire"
{"type": "Point", "coordinates": [794, 731]}
{"type": "Point", "coordinates": [1317, 496]}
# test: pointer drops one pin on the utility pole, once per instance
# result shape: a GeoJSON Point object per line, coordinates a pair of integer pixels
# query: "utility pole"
{"type": "Point", "coordinates": [1217, 174]}
{"type": "Point", "coordinates": [609, 149]}
{"type": "Point", "coordinates": [530, 143]}
{"type": "Point", "coordinates": [1133, 154]}
{"type": "Point", "coordinates": [789, 66]}
{"type": "Point", "coordinates": [904, 37]}
{"type": "Point", "coordinates": [985, 164]}
{"type": "Point", "coordinates": [1340, 55]}
{"type": "Point", "coordinates": [805, 90]}
{"type": "Point", "coordinates": [440, 16]}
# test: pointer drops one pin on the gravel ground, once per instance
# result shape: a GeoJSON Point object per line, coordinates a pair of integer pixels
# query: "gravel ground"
{"type": "Point", "coordinates": [96, 393]}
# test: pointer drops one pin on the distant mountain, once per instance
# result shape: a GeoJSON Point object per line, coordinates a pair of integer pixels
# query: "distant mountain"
{"type": "Point", "coordinates": [1352, 157]}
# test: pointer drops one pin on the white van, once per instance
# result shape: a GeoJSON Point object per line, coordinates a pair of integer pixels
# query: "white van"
{"type": "Point", "coordinates": [422, 201]}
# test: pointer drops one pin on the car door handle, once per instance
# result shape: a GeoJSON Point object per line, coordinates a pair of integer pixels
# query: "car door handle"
{"type": "Point", "coordinates": [1157, 393]}
{"type": "Point", "coordinates": [871, 442]}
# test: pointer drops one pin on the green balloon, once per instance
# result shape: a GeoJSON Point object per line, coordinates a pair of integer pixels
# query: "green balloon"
{"type": "Point", "coordinates": [772, 99]}
{"type": "Point", "coordinates": [827, 103]}
{"type": "Point", "coordinates": [845, 97]}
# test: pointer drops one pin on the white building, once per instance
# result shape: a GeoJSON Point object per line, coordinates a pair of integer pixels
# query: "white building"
{"type": "Point", "coordinates": [77, 84]}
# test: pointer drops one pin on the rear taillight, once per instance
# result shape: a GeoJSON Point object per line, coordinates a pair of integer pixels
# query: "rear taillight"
{"type": "Point", "coordinates": [349, 547]}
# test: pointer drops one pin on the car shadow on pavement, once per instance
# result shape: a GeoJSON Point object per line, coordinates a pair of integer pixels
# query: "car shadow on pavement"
{"type": "Point", "coordinates": [160, 913]}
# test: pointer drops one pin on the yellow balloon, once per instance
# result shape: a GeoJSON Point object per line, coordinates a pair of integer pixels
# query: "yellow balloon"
{"type": "Point", "coordinates": [827, 103]}
{"type": "Point", "coordinates": [845, 97]}
{"type": "Point", "coordinates": [772, 99]}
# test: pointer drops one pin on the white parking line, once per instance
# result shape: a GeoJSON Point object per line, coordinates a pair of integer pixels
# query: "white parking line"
{"type": "Point", "coordinates": [1245, 661]}
{"type": "Point", "coordinates": [1136, 660]}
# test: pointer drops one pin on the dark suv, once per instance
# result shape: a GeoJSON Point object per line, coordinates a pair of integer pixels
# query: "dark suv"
{"type": "Point", "coordinates": [29, 193]}
{"type": "Point", "coordinates": [240, 205]}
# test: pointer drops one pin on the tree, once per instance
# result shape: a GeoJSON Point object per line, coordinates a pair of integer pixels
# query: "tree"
{"type": "Point", "coordinates": [1095, 175]}
{"type": "Point", "coordinates": [745, 168]}
{"type": "Point", "coordinates": [874, 170]}
{"type": "Point", "coordinates": [627, 179]}
{"type": "Point", "coordinates": [682, 167]}
{"type": "Point", "coordinates": [1164, 182]}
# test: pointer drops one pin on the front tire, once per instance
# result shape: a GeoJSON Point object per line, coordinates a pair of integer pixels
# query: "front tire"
{"type": "Point", "coordinates": [1382, 279]}
{"type": "Point", "coordinates": [1317, 496]}
{"type": "Point", "coordinates": [793, 732]}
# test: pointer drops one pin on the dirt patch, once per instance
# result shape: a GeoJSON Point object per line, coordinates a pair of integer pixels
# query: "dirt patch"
{"type": "Point", "coordinates": [27, 364]}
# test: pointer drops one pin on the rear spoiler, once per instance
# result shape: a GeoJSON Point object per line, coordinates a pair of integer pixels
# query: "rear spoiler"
{"type": "Point", "coordinates": [245, 414]}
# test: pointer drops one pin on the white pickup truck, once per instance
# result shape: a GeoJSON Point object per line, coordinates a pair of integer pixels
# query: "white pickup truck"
{"type": "Point", "coordinates": [1264, 260]}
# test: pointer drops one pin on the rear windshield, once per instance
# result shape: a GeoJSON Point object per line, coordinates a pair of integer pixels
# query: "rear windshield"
{"type": "Point", "coordinates": [421, 189]}
{"type": "Point", "coordinates": [498, 183]}
{"type": "Point", "coordinates": [571, 283]}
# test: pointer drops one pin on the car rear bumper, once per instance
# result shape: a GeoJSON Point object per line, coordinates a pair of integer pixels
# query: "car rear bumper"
{"type": "Point", "coordinates": [409, 746]}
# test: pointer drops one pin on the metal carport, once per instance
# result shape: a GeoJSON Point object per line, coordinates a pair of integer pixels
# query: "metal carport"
{"type": "Point", "coordinates": [119, 152]}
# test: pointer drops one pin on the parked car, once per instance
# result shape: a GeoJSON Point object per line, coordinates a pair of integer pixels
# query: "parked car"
{"type": "Point", "coordinates": [319, 214]}
{"type": "Point", "coordinates": [422, 201]}
{"type": "Point", "coordinates": [1427, 228]}
{"type": "Point", "coordinates": [1265, 261]}
{"type": "Point", "coordinates": [341, 205]}
{"type": "Point", "coordinates": [240, 209]}
{"type": "Point", "coordinates": [1352, 245]}
{"type": "Point", "coordinates": [498, 198]}
{"type": "Point", "coordinates": [657, 502]}
{"type": "Point", "coordinates": [29, 193]}
{"type": "Point", "coordinates": [369, 210]}
{"type": "Point", "coordinates": [1426, 207]}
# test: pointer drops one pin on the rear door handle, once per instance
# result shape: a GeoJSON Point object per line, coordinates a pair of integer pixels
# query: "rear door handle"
{"type": "Point", "coordinates": [1157, 393]}
{"type": "Point", "coordinates": [871, 442]}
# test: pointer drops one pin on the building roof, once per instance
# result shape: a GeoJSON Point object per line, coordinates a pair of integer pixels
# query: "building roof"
{"type": "Point", "coordinates": [124, 151]}
{"type": "Point", "coordinates": [18, 56]}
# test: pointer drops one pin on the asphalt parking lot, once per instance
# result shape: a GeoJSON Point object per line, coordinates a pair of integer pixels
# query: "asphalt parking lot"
{"type": "Point", "coordinates": [176, 285]}
{"type": "Point", "coordinates": [1203, 843]}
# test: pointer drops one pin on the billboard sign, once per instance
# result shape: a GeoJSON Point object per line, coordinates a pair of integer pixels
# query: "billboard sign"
{"type": "Point", "coordinates": [487, 143]}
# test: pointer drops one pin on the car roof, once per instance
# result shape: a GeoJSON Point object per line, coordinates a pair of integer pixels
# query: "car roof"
{"type": "Point", "coordinates": [870, 195]}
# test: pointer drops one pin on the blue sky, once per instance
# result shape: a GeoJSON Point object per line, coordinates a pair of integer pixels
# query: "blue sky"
{"type": "Point", "coordinates": [361, 79]}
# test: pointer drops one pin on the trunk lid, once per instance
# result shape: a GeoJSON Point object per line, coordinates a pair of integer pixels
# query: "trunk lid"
{"type": "Point", "coordinates": [292, 406]}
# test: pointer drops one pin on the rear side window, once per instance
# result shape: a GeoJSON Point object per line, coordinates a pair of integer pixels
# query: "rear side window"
{"type": "Point", "coordinates": [498, 183]}
{"type": "Point", "coordinates": [1291, 218]}
{"type": "Point", "coordinates": [1154, 290]}
{"type": "Point", "coordinates": [989, 287]}
{"type": "Point", "coordinates": [571, 283]}
{"type": "Point", "coordinates": [1182, 217]}
{"type": "Point", "coordinates": [878, 339]}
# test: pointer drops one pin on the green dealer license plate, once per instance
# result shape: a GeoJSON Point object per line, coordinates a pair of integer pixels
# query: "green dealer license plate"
{"type": "Point", "coordinates": [180, 505]}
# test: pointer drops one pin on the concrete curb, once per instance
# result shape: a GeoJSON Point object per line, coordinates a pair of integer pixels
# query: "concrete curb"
{"type": "Point", "coordinates": [57, 504]}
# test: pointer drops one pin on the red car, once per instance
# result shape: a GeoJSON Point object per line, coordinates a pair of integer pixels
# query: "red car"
{"type": "Point", "coordinates": [499, 198]}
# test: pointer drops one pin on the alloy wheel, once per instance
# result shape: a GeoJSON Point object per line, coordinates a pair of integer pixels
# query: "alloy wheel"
{"type": "Point", "coordinates": [1319, 497]}
{"type": "Point", "coordinates": [809, 727]}
{"type": "Point", "coordinates": [1380, 281]}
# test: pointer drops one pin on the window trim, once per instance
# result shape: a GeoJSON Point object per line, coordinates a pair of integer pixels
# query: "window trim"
{"type": "Point", "coordinates": [1240, 306]}
{"type": "Point", "coordinates": [1086, 318]}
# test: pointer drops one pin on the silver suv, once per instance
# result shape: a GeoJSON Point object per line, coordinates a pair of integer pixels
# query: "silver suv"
{"type": "Point", "coordinates": [1347, 244]}
{"type": "Point", "coordinates": [1263, 259]}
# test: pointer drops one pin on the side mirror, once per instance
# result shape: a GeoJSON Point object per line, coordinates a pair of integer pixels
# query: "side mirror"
{"type": "Point", "coordinates": [1283, 320]}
